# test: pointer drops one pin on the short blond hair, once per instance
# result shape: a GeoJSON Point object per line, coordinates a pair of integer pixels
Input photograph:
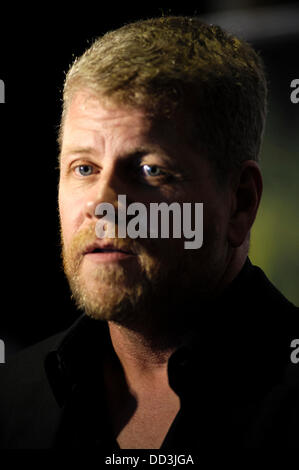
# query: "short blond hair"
{"type": "Point", "coordinates": [170, 63]}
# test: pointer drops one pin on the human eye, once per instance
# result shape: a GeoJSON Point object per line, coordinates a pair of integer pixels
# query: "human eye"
{"type": "Point", "coordinates": [84, 170]}
{"type": "Point", "coordinates": [152, 171]}
{"type": "Point", "coordinates": [154, 175]}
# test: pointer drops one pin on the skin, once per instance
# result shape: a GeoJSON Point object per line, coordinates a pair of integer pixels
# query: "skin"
{"type": "Point", "coordinates": [114, 133]}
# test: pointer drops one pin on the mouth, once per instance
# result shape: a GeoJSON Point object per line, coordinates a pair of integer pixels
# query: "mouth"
{"type": "Point", "coordinates": [109, 252]}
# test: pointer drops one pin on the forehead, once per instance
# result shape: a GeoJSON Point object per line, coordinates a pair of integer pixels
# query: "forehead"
{"type": "Point", "coordinates": [91, 119]}
{"type": "Point", "coordinates": [88, 105]}
{"type": "Point", "coordinates": [101, 124]}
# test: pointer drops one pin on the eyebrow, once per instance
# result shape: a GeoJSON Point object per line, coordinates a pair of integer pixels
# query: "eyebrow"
{"type": "Point", "coordinates": [131, 156]}
{"type": "Point", "coordinates": [135, 153]}
{"type": "Point", "coordinates": [77, 150]}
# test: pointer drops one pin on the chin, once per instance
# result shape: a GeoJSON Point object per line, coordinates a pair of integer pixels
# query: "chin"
{"type": "Point", "coordinates": [110, 301]}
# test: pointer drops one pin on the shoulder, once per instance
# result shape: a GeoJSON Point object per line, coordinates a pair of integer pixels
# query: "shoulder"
{"type": "Point", "coordinates": [25, 395]}
{"type": "Point", "coordinates": [270, 292]}
{"type": "Point", "coordinates": [27, 363]}
{"type": "Point", "coordinates": [260, 299]}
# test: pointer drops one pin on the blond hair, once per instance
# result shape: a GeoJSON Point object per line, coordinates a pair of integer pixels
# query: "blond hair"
{"type": "Point", "coordinates": [165, 64]}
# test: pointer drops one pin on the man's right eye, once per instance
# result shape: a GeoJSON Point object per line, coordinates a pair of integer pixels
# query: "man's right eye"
{"type": "Point", "coordinates": [83, 170]}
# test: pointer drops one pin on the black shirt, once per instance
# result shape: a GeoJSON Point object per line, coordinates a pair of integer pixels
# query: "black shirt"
{"type": "Point", "coordinates": [237, 385]}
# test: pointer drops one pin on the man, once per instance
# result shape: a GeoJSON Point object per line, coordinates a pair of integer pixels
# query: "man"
{"type": "Point", "coordinates": [182, 349]}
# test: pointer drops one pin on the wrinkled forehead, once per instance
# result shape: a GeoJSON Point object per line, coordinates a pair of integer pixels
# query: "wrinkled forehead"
{"type": "Point", "coordinates": [105, 127]}
{"type": "Point", "coordinates": [90, 119]}
{"type": "Point", "coordinates": [96, 114]}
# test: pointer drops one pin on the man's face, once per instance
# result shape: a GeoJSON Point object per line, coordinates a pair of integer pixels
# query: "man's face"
{"type": "Point", "coordinates": [110, 150]}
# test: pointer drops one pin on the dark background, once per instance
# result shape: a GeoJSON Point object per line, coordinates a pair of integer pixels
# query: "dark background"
{"type": "Point", "coordinates": [37, 46]}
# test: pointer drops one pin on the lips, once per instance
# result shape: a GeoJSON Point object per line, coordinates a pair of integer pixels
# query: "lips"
{"type": "Point", "coordinates": [102, 247]}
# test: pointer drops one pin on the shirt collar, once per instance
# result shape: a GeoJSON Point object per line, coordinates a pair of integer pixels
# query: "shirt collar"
{"type": "Point", "coordinates": [75, 355]}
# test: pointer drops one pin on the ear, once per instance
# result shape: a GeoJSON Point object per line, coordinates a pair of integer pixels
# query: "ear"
{"type": "Point", "coordinates": [246, 195]}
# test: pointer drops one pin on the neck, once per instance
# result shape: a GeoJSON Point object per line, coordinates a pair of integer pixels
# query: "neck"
{"type": "Point", "coordinates": [142, 358]}
{"type": "Point", "coordinates": [233, 267]}
{"type": "Point", "coordinates": [144, 353]}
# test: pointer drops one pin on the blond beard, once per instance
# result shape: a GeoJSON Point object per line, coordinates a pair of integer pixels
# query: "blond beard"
{"type": "Point", "coordinates": [164, 294]}
{"type": "Point", "coordinates": [120, 294]}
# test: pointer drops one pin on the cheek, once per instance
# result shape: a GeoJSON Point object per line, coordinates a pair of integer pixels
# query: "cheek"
{"type": "Point", "coordinates": [71, 215]}
{"type": "Point", "coordinates": [214, 224]}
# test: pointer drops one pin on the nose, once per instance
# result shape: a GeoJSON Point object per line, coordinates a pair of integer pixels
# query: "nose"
{"type": "Point", "coordinates": [92, 203]}
{"type": "Point", "coordinates": [106, 189]}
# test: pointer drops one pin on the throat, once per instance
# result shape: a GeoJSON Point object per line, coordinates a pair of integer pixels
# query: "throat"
{"type": "Point", "coordinates": [141, 405]}
{"type": "Point", "coordinates": [140, 414]}
{"type": "Point", "coordinates": [141, 355]}
{"type": "Point", "coordinates": [148, 426]}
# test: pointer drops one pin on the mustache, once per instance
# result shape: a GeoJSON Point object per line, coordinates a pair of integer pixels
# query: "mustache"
{"type": "Point", "coordinates": [87, 237]}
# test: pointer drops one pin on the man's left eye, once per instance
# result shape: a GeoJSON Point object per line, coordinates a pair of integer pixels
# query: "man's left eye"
{"type": "Point", "coordinates": [152, 170]}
